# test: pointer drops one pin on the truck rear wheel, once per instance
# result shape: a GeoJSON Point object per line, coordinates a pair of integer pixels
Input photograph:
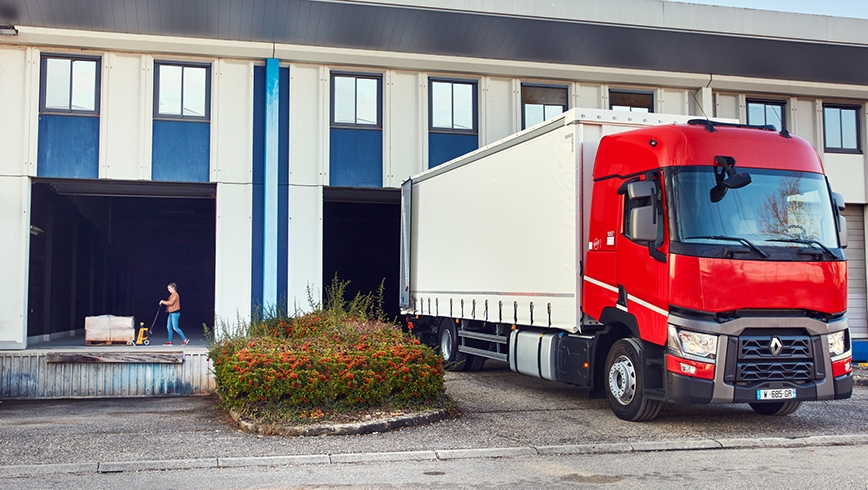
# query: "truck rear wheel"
{"type": "Point", "coordinates": [473, 363]}
{"type": "Point", "coordinates": [775, 408]}
{"type": "Point", "coordinates": [625, 384]}
{"type": "Point", "coordinates": [448, 345]}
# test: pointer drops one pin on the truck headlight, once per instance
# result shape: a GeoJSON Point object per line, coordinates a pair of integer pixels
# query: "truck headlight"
{"type": "Point", "coordinates": [838, 343]}
{"type": "Point", "coordinates": [692, 345]}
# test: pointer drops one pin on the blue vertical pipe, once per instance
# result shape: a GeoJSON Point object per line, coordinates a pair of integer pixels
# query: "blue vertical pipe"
{"type": "Point", "coordinates": [270, 183]}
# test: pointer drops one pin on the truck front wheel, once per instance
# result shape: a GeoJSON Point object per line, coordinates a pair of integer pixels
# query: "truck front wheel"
{"type": "Point", "coordinates": [625, 384]}
{"type": "Point", "coordinates": [448, 345]}
{"type": "Point", "coordinates": [775, 408]}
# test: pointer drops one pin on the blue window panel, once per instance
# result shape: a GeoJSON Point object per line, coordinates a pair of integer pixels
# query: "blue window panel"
{"type": "Point", "coordinates": [258, 214]}
{"type": "Point", "coordinates": [181, 151]}
{"type": "Point", "coordinates": [356, 158]}
{"type": "Point", "coordinates": [283, 191]}
{"type": "Point", "coordinates": [68, 147]}
{"type": "Point", "coordinates": [443, 147]}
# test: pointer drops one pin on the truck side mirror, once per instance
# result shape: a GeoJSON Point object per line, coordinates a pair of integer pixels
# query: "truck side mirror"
{"type": "Point", "coordinates": [643, 224]}
{"type": "Point", "coordinates": [838, 199]}
{"type": "Point", "coordinates": [842, 233]}
{"type": "Point", "coordinates": [643, 219]}
{"type": "Point", "coordinates": [641, 189]}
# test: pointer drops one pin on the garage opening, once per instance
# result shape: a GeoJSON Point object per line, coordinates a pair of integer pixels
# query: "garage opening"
{"type": "Point", "coordinates": [111, 247]}
{"type": "Point", "coordinates": [361, 241]}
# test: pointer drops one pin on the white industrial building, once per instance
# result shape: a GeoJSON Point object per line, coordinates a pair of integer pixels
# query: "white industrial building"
{"type": "Point", "coordinates": [250, 150]}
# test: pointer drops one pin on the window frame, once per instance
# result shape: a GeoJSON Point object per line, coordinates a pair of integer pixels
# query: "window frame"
{"type": "Point", "coordinates": [849, 151]}
{"type": "Point", "coordinates": [181, 117]}
{"type": "Point", "coordinates": [634, 92]}
{"type": "Point", "coordinates": [356, 75]}
{"type": "Point", "coordinates": [43, 86]}
{"type": "Point", "coordinates": [564, 107]}
{"type": "Point", "coordinates": [474, 102]}
{"type": "Point", "coordinates": [767, 102]}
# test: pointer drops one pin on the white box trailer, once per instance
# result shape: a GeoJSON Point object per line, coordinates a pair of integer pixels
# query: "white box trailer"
{"type": "Point", "coordinates": [499, 234]}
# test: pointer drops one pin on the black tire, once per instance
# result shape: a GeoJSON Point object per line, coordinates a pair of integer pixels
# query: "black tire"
{"type": "Point", "coordinates": [625, 384]}
{"type": "Point", "coordinates": [775, 408]}
{"type": "Point", "coordinates": [447, 344]}
{"type": "Point", "coordinates": [146, 342]}
{"type": "Point", "coordinates": [473, 363]}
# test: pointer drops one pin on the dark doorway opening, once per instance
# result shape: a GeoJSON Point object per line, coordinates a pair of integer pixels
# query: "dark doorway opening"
{"type": "Point", "coordinates": [361, 241]}
{"type": "Point", "coordinates": [110, 248]}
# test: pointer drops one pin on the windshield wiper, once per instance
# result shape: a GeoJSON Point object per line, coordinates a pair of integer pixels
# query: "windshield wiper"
{"type": "Point", "coordinates": [806, 242]}
{"type": "Point", "coordinates": [743, 241]}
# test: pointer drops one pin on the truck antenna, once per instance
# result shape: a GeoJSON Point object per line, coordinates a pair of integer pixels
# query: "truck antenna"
{"type": "Point", "coordinates": [699, 105]}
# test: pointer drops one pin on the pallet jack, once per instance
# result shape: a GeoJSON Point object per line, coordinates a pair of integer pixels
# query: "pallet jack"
{"type": "Point", "coordinates": [144, 333]}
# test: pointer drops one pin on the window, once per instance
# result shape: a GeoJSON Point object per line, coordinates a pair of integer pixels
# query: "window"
{"type": "Point", "coordinates": [766, 113]}
{"type": "Point", "coordinates": [453, 106]}
{"type": "Point", "coordinates": [841, 128]}
{"type": "Point", "coordinates": [183, 91]}
{"type": "Point", "coordinates": [541, 102]}
{"type": "Point", "coordinates": [631, 101]}
{"type": "Point", "coordinates": [356, 100]}
{"type": "Point", "coordinates": [70, 84]}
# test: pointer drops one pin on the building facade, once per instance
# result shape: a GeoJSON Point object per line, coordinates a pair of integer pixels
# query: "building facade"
{"type": "Point", "coordinates": [250, 151]}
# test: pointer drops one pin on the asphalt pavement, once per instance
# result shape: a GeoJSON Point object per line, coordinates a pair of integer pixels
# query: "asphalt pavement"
{"type": "Point", "coordinates": [503, 415]}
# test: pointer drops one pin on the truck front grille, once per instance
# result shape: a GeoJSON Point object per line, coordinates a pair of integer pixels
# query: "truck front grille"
{"type": "Point", "coordinates": [761, 348]}
{"type": "Point", "coordinates": [775, 371]}
{"type": "Point", "coordinates": [775, 358]}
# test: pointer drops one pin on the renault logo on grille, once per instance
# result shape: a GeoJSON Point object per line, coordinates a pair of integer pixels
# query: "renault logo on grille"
{"type": "Point", "coordinates": [776, 346]}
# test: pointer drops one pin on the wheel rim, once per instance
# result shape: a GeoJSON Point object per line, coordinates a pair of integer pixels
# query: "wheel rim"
{"type": "Point", "coordinates": [446, 343]}
{"type": "Point", "coordinates": [622, 380]}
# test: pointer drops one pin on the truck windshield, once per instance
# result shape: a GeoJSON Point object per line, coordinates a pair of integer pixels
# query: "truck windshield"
{"type": "Point", "coordinates": [777, 209]}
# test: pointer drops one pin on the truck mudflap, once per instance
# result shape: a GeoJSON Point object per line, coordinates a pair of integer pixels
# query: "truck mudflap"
{"type": "Point", "coordinates": [689, 390]}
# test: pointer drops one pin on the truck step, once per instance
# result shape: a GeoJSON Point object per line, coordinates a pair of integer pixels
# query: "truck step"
{"type": "Point", "coordinates": [499, 339]}
{"type": "Point", "coordinates": [483, 353]}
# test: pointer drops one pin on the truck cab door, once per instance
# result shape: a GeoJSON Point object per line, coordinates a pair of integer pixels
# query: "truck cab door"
{"type": "Point", "coordinates": [643, 272]}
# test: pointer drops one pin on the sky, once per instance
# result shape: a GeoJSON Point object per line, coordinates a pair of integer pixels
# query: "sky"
{"type": "Point", "coordinates": [839, 8]}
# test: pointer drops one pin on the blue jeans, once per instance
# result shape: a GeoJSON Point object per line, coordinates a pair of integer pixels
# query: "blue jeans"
{"type": "Point", "coordinates": [172, 324]}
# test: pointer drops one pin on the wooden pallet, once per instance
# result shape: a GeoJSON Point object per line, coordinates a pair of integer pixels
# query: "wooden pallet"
{"type": "Point", "coordinates": [108, 342]}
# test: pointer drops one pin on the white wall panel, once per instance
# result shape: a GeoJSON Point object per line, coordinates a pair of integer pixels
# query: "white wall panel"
{"type": "Point", "coordinates": [402, 128]}
{"type": "Point", "coordinates": [846, 174]}
{"type": "Point", "coordinates": [672, 101]}
{"type": "Point", "coordinates": [305, 245]}
{"type": "Point", "coordinates": [804, 120]}
{"type": "Point", "coordinates": [122, 118]}
{"type": "Point", "coordinates": [232, 122]}
{"type": "Point", "coordinates": [726, 105]}
{"type": "Point", "coordinates": [588, 95]}
{"type": "Point", "coordinates": [15, 250]}
{"type": "Point", "coordinates": [308, 124]}
{"type": "Point", "coordinates": [233, 251]}
{"type": "Point", "coordinates": [13, 113]}
{"type": "Point", "coordinates": [498, 109]}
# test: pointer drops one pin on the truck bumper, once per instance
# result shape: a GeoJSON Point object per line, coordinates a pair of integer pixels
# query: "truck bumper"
{"type": "Point", "coordinates": [689, 390]}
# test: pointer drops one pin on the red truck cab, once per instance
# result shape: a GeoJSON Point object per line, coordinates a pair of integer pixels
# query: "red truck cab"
{"type": "Point", "coordinates": [717, 252]}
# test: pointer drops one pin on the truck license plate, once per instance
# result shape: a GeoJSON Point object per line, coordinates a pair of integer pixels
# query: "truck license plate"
{"type": "Point", "coordinates": [779, 394]}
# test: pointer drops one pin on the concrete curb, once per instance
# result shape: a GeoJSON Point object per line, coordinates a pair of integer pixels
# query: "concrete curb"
{"type": "Point", "coordinates": [168, 464]}
{"type": "Point", "coordinates": [352, 429]}
{"type": "Point", "coordinates": [443, 454]}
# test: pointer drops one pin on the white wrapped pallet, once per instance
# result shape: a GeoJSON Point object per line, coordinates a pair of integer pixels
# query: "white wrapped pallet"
{"type": "Point", "coordinates": [109, 329]}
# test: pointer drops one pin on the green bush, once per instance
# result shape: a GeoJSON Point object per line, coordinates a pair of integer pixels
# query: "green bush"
{"type": "Point", "coordinates": [340, 357]}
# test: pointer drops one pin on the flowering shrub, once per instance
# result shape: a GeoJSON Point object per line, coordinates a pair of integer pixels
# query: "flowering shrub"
{"type": "Point", "coordinates": [332, 369]}
{"type": "Point", "coordinates": [328, 359]}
